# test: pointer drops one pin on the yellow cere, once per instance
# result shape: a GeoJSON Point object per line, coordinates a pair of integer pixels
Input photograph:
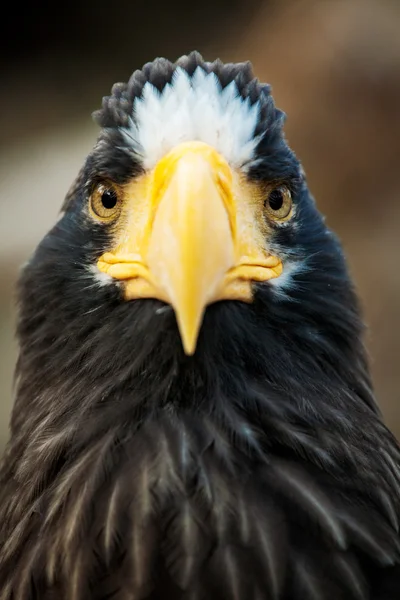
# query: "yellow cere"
{"type": "Point", "coordinates": [190, 233]}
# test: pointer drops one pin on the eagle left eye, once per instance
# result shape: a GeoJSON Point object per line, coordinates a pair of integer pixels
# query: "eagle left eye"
{"type": "Point", "coordinates": [105, 201]}
{"type": "Point", "coordinates": [278, 203]}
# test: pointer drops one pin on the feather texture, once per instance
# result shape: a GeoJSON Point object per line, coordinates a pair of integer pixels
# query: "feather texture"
{"type": "Point", "coordinates": [259, 468]}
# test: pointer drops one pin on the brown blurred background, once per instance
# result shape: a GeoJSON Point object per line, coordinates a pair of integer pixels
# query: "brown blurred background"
{"type": "Point", "coordinates": [335, 69]}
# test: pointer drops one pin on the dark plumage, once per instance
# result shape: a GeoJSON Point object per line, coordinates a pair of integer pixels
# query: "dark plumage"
{"type": "Point", "coordinates": [258, 468]}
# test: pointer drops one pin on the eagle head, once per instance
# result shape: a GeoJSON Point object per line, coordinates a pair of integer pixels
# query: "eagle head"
{"type": "Point", "coordinates": [192, 205]}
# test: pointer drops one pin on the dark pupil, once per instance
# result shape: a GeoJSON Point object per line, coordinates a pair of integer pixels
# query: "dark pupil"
{"type": "Point", "coordinates": [109, 199]}
{"type": "Point", "coordinates": [275, 199]}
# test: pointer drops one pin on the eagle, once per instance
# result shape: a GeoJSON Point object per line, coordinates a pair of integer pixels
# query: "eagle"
{"type": "Point", "coordinates": [194, 417]}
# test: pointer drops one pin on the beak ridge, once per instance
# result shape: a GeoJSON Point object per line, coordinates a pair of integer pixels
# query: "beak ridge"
{"type": "Point", "coordinates": [191, 246]}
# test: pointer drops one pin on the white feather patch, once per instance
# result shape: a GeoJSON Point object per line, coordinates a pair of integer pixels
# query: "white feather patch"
{"type": "Point", "coordinates": [190, 109]}
{"type": "Point", "coordinates": [284, 283]}
{"type": "Point", "coordinates": [102, 279]}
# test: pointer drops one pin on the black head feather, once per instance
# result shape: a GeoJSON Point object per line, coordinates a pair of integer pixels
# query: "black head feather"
{"type": "Point", "coordinates": [258, 468]}
{"type": "Point", "coordinates": [112, 157]}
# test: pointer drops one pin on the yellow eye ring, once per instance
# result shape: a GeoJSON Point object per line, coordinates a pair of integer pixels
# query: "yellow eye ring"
{"type": "Point", "coordinates": [279, 204]}
{"type": "Point", "coordinates": [105, 201]}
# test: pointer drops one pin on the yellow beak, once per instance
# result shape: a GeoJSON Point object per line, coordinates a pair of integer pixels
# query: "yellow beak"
{"type": "Point", "coordinates": [188, 254]}
{"type": "Point", "coordinates": [192, 247]}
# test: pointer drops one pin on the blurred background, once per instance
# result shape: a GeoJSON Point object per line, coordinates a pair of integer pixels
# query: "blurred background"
{"type": "Point", "coordinates": [335, 69]}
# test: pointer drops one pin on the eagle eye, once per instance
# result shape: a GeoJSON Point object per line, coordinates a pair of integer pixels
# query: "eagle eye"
{"type": "Point", "coordinates": [105, 201]}
{"type": "Point", "coordinates": [278, 203]}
